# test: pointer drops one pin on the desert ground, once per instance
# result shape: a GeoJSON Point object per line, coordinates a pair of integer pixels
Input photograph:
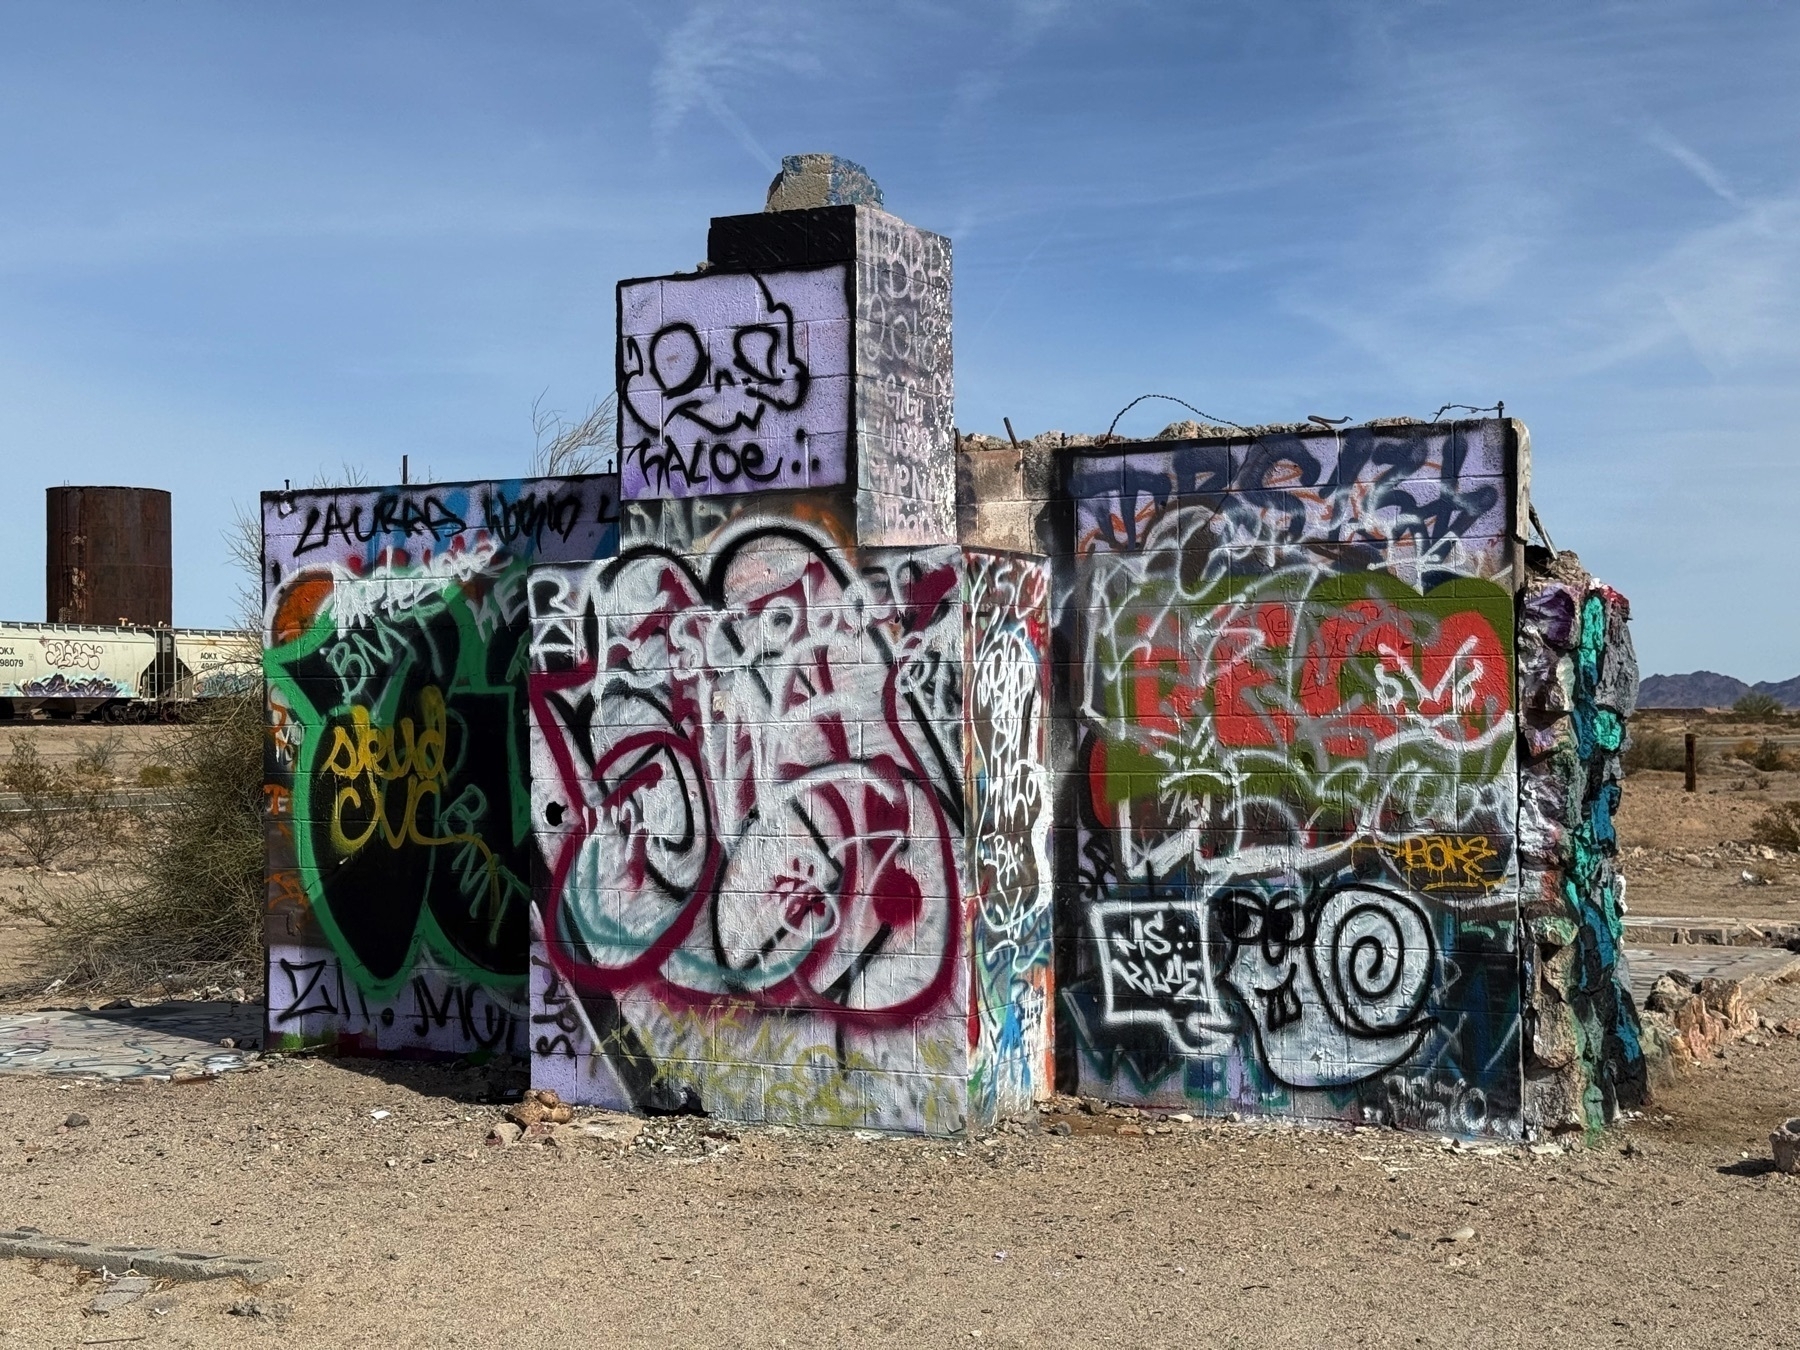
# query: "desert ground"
{"type": "Point", "coordinates": [397, 1224]}
{"type": "Point", "coordinates": [1692, 855]}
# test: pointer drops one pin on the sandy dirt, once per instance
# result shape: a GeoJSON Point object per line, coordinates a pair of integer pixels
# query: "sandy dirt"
{"type": "Point", "coordinates": [1686, 854]}
{"type": "Point", "coordinates": [412, 1231]}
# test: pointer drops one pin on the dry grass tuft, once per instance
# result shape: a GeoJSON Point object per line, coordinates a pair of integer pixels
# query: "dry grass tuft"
{"type": "Point", "coordinates": [50, 809]}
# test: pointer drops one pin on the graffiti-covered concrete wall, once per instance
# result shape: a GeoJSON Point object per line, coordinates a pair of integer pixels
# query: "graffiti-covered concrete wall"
{"type": "Point", "coordinates": [1290, 859]}
{"type": "Point", "coordinates": [748, 816]}
{"type": "Point", "coordinates": [397, 800]}
{"type": "Point", "coordinates": [789, 747]}
{"type": "Point", "coordinates": [818, 770]}
{"type": "Point", "coordinates": [799, 813]}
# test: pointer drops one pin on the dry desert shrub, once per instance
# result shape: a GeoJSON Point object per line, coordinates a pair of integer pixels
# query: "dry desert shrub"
{"type": "Point", "coordinates": [182, 896]}
{"type": "Point", "coordinates": [51, 809]}
{"type": "Point", "coordinates": [1655, 750]}
{"type": "Point", "coordinates": [1758, 705]}
{"type": "Point", "coordinates": [1779, 827]}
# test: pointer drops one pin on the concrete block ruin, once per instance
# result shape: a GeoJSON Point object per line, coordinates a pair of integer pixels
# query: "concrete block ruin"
{"type": "Point", "coordinates": [819, 769]}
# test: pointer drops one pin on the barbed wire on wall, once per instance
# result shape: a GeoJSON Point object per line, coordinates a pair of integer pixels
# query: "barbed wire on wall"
{"type": "Point", "coordinates": [1498, 409]}
{"type": "Point", "coordinates": [1210, 419]}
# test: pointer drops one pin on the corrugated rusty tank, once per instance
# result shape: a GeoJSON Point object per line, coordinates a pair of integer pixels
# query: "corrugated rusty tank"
{"type": "Point", "coordinates": [108, 556]}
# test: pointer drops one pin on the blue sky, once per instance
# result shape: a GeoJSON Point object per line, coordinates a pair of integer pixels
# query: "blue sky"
{"type": "Point", "coordinates": [247, 242]}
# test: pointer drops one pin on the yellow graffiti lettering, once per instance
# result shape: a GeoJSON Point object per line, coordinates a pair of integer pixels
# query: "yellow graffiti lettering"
{"type": "Point", "coordinates": [407, 758]}
{"type": "Point", "coordinates": [1437, 862]}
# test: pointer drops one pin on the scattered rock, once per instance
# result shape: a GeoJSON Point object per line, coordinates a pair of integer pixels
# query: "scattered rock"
{"type": "Point", "coordinates": [1131, 1129]}
{"type": "Point", "coordinates": [505, 1134]}
{"type": "Point", "coordinates": [1063, 1128]}
{"type": "Point", "coordinates": [251, 1307]}
{"type": "Point", "coordinates": [619, 1129]}
{"type": "Point", "coordinates": [561, 1136]}
{"type": "Point", "coordinates": [1462, 1235]}
{"type": "Point", "coordinates": [1784, 1142]}
{"type": "Point", "coordinates": [541, 1106]}
{"type": "Point", "coordinates": [1671, 991]}
{"type": "Point", "coordinates": [75, 1120]}
{"type": "Point", "coordinates": [1401, 1233]}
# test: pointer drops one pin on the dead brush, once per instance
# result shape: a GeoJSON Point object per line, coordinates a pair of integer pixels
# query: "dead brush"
{"type": "Point", "coordinates": [1655, 750]}
{"type": "Point", "coordinates": [1779, 827]}
{"type": "Point", "coordinates": [51, 809]}
{"type": "Point", "coordinates": [180, 898]}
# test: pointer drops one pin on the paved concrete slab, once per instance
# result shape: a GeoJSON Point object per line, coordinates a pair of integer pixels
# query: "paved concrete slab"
{"type": "Point", "coordinates": [162, 1262]}
{"type": "Point", "coordinates": [1654, 930]}
{"type": "Point", "coordinates": [1754, 967]}
{"type": "Point", "coordinates": [162, 1041]}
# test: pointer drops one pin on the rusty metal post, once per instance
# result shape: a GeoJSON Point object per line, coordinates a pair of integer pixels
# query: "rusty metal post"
{"type": "Point", "coordinates": [1693, 761]}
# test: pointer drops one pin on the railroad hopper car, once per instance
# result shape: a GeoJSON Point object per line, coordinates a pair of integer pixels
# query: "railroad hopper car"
{"type": "Point", "coordinates": [120, 674]}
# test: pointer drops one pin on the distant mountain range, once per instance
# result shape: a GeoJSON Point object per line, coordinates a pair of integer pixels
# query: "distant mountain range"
{"type": "Point", "coordinates": [1709, 689]}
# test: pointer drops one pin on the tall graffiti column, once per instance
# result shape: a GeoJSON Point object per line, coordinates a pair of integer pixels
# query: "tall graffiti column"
{"type": "Point", "coordinates": [1293, 807]}
{"type": "Point", "coordinates": [752, 731]}
{"type": "Point", "coordinates": [397, 807]}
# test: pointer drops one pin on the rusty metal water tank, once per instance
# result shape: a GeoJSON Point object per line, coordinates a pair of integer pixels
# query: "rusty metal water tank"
{"type": "Point", "coordinates": [108, 556]}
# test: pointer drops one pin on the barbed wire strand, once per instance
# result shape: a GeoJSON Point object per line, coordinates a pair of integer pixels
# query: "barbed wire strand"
{"type": "Point", "coordinates": [1498, 409]}
{"type": "Point", "coordinates": [1170, 398]}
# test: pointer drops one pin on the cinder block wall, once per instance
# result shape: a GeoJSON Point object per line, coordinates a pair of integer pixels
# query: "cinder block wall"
{"type": "Point", "coordinates": [794, 813]}
{"type": "Point", "coordinates": [396, 790]}
{"type": "Point", "coordinates": [1288, 820]}
{"type": "Point", "coordinates": [789, 748]}
{"type": "Point", "coordinates": [1336, 759]}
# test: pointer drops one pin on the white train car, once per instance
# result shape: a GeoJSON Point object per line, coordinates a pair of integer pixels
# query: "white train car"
{"type": "Point", "coordinates": [119, 674]}
{"type": "Point", "coordinates": [212, 662]}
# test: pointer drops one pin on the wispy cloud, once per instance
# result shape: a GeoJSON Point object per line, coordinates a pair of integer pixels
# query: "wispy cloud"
{"type": "Point", "coordinates": [722, 46]}
{"type": "Point", "coordinates": [1694, 162]}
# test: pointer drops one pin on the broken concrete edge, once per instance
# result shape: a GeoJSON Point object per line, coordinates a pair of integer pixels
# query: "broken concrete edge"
{"type": "Point", "coordinates": [1186, 430]}
{"type": "Point", "coordinates": [160, 1262]}
{"type": "Point", "coordinates": [1673, 932]}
